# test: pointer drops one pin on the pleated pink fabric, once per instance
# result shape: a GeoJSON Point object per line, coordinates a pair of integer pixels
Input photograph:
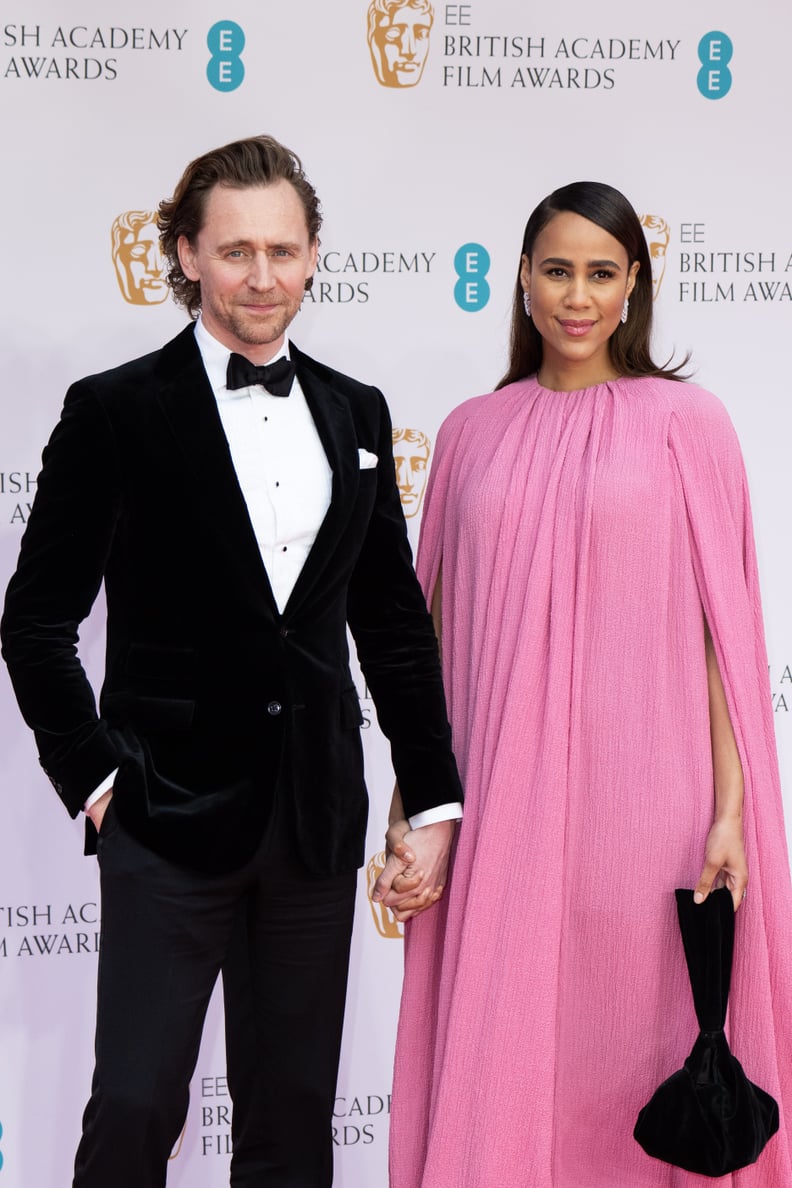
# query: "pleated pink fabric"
{"type": "Point", "coordinates": [581, 536]}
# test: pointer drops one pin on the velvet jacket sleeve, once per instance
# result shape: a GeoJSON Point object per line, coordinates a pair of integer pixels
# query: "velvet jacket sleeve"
{"type": "Point", "coordinates": [58, 576]}
{"type": "Point", "coordinates": [397, 647]}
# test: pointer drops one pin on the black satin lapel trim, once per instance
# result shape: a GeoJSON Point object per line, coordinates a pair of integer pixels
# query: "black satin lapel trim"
{"type": "Point", "coordinates": [190, 409]}
{"type": "Point", "coordinates": [336, 428]}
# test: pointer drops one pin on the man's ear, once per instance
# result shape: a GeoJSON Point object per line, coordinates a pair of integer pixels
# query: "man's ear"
{"type": "Point", "coordinates": [313, 256]}
{"type": "Point", "coordinates": [187, 258]}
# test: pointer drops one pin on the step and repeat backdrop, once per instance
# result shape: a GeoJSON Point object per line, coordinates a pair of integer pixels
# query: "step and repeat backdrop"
{"type": "Point", "coordinates": [430, 131]}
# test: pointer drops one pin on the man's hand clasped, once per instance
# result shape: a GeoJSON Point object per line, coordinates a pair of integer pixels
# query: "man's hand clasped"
{"type": "Point", "coordinates": [416, 867]}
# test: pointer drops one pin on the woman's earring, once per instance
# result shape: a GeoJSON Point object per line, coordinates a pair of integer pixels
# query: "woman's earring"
{"type": "Point", "coordinates": [527, 303]}
{"type": "Point", "coordinates": [625, 311]}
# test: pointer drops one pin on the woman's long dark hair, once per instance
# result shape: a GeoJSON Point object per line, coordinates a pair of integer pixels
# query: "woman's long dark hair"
{"type": "Point", "coordinates": [629, 344]}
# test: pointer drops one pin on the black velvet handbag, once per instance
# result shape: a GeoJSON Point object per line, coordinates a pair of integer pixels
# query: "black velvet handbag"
{"type": "Point", "coordinates": [708, 1117]}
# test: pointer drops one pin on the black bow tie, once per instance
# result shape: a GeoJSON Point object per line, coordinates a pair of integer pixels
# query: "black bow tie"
{"type": "Point", "coordinates": [275, 377]}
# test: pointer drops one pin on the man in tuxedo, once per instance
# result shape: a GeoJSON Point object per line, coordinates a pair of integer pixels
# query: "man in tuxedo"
{"type": "Point", "coordinates": [238, 499]}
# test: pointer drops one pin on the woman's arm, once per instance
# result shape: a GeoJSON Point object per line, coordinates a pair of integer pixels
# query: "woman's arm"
{"type": "Point", "coordinates": [724, 853]}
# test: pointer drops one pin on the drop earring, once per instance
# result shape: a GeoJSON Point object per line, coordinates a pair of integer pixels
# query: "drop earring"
{"type": "Point", "coordinates": [527, 303]}
{"type": "Point", "coordinates": [625, 311]}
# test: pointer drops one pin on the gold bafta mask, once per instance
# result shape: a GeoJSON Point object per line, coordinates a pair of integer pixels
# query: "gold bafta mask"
{"type": "Point", "coordinates": [387, 924]}
{"type": "Point", "coordinates": [658, 233]}
{"type": "Point", "coordinates": [398, 38]}
{"type": "Point", "coordinates": [139, 264]}
{"type": "Point", "coordinates": [411, 450]}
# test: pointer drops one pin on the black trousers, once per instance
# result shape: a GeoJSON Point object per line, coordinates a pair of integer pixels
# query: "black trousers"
{"type": "Point", "coordinates": [281, 938]}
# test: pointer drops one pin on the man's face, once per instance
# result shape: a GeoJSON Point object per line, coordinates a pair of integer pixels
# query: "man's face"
{"type": "Point", "coordinates": [251, 258]}
{"type": "Point", "coordinates": [400, 47]}
{"type": "Point", "coordinates": [140, 266]}
{"type": "Point", "coordinates": [411, 459]}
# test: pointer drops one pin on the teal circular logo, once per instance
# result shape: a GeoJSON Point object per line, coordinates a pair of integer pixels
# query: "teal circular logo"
{"type": "Point", "coordinates": [225, 69]}
{"type": "Point", "coordinates": [715, 51]}
{"type": "Point", "coordinates": [471, 264]}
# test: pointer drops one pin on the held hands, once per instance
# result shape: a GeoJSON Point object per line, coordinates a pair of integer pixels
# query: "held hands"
{"type": "Point", "coordinates": [724, 860]}
{"type": "Point", "coordinates": [416, 867]}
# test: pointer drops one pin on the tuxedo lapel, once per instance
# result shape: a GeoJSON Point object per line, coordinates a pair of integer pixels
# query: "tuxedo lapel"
{"type": "Point", "coordinates": [190, 409]}
{"type": "Point", "coordinates": [336, 428]}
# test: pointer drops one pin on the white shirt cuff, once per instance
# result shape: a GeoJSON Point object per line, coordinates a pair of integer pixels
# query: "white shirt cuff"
{"type": "Point", "coordinates": [105, 786]}
{"type": "Point", "coordinates": [441, 812]}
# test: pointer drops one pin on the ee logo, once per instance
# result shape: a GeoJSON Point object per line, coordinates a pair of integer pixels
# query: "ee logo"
{"type": "Point", "coordinates": [715, 51]}
{"type": "Point", "coordinates": [471, 264]}
{"type": "Point", "coordinates": [225, 69]}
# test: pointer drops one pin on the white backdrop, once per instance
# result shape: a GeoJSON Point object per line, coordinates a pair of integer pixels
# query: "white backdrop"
{"type": "Point", "coordinates": [682, 107]}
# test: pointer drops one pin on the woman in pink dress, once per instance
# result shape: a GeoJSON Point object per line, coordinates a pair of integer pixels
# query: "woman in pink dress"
{"type": "Point", "coordinates": [587, 548]}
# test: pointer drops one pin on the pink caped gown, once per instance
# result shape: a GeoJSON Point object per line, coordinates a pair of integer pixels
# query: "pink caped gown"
{"type": "Point", "coordinates": [581, 535]}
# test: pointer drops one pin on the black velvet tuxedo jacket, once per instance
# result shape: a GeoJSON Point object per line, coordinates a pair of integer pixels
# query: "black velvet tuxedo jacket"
{"type": "Point", "coordinates": [210, 695]}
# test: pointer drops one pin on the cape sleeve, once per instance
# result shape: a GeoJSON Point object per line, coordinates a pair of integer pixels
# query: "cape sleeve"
{"type": "Point", "coordinates": [707, 455]}
{"type": "Point", "coordinates": [436, 542]}
{"type": "Point", "coordinates": [712, 474]}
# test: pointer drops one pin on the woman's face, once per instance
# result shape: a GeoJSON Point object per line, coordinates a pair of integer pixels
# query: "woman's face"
{"type": "Point", "coordinates": [578, 278]}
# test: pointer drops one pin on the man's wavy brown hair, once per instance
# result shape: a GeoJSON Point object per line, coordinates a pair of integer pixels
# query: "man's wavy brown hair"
{"type": "Point", "coordinates": [256, 161]}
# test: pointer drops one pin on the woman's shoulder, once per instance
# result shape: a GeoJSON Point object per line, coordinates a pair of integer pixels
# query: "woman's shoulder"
{"type": "Point", "coordinates": [697, 421]}
{"type": "Point", "coordinates": [687, 400]}
{"type": "Point", "coordinates": [488, 405]}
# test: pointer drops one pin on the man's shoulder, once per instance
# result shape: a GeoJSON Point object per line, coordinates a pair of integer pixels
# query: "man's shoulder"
{"type": "Point", "coordinates": [329, 376]}
{"type": "Point", "coordinates": [171, 357]}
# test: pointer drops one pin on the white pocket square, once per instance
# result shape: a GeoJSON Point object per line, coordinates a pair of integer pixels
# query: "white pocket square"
{"type": "Point", "coordinates": [367, 461]}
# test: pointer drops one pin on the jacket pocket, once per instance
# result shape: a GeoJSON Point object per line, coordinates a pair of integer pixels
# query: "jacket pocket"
{"type": "Point", "coordinates": [155, 714]}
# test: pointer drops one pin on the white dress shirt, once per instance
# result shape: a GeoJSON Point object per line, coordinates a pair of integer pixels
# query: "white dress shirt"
{"type": "Point", "coordinates": [286, 481]}
{"type": "Point", "coordinates": [280, 464]}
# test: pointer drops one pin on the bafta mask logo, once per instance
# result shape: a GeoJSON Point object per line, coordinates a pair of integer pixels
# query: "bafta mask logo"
{"type": "Point", "coordinates": [387, 924]}
{"type": "Point", "coordinates": [398, 38]}
{"type": "Point", "coordinates": [411, 450]}
{"type": "Point", "coordinates": [139, 264]}
{"type": "Point", "coordinates": [658, 233]}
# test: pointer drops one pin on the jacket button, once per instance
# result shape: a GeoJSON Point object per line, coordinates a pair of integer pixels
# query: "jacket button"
{"type": "Point", "coordinates": [274, 708]}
